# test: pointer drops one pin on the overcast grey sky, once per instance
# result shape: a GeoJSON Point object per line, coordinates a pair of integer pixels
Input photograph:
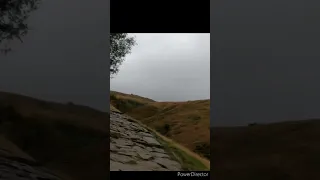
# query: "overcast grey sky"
{"type": "Point", "coordinates": [65, 55]}
{"type": "Point", "coordinates": [167, 67]}
{"type": "Point", "coordinates": [265, 61]}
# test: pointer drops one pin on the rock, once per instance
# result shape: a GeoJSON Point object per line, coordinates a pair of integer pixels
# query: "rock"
{"type": "Point", "coordinates": [168, 164]}
{"type": "Point", "coordinates": [14, 170]}
{"type": "Point", "coordinates": [158, 150]}
{"type": "Point", "coordinates": [160, 155]}
{"type": "Point", "coordinates": [121, 158]}
{"type": "Point", "coordinates": [146, 134]}
{"type": "Point", "coordinates": [134, 148]}
{"type": "Point", "coordinates": [151, 141]}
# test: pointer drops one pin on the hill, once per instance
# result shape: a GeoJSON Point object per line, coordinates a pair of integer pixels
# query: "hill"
{"type": "Point", "coordinates": [68, 139]}
{"type": "Point", "coordinates": [278, 151]}
{"type": "Point", "coordinates": [184, 122]}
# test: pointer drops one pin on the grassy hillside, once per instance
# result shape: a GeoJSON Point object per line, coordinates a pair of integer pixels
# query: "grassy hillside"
{"type": "Point", "coordinates": [9, 149]}
{"type": "Point", "coordinates": [126, 102]}
{"type": "Point", "coordinates": [66, 138]}
{"type": "Point", "coordinates": [279, 151]}
{"type": "Point", "coordinates": [185, 122]}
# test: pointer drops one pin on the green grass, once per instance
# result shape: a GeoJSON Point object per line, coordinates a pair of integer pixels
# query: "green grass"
{"type": "Point", "coordinates": [187, 162]}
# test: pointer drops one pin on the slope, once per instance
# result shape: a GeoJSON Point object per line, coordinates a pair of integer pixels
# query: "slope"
{"type": "Point", "coordinates": [184, 122]}
{"type": "Point", "coordinates": [279, 151]}
{"type": "Point", "coordinates": [66, 138]}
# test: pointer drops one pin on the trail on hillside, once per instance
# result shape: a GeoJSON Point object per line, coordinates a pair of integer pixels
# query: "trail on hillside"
{"type": "Point", "coordinates": [15, 170]}
{"type": "Point", "coordinates": [134, 148]}
{"type": "Point", "coordinates": [18, 165]}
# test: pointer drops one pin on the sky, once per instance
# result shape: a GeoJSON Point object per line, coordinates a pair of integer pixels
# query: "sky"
{"type": "Point", "coordinates": [265, 61]}
{"type": "Point", "coordinates": [166, 67]}
{"type": "Point", "coordinates": [64, 56]}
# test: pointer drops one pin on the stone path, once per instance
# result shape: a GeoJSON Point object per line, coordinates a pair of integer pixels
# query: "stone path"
{"type": "Point", "coordinates": [134, 148]}
{"type": "Point", "coordinates": [15, 170]}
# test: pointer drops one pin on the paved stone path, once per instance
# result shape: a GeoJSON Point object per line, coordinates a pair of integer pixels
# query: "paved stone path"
{"type": "Point", "coordinates": [134, 148]}
{"type": "Point", "coordinates": [15, 170]}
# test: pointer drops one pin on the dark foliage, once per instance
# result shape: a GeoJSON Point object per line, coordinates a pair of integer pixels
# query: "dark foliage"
{"type": "Point", "coordinates": [203, 148]}
{"type": "Point", "coordinates": [164, 130]}
{"type": "Point", "coordinates": [126, 105]}
{"type": "Point", "coordinates": [70, 104]}
{"type": "Point", "coordinates": [8, 113]}
{"type": "Point", "coordinates": [13, 16]}
{"type": "Point", "coordinates": [46, 141]}
{"type": "Point", "coordinates": [113, 97]}
{"type": "Point", "coordinates": [167, 128]}
{"type": "Point", "coordinates": [44, 105]}
{"type": "Point", "coordinates": [252, 124]}
{"type": "Point", "coordinates": [120, 46]}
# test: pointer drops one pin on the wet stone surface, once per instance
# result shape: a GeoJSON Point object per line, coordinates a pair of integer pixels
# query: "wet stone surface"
{"type": "Point", "coordinates": [134, 148]}
{"type": "Point", "coordinates": [14, 170]}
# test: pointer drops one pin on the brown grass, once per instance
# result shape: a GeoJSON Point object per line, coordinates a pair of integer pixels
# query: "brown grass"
{"type": "Point", "coordinates": [112, 108]}
{"type": "Point", "coordinates": [279, 151]}
{"type": "Point", "coordinates": [184, 122]}
{"type": "Point", "coordinates": [131, 97]}
{"type": "Point", "coordinates": [190, 161]}
{"type": "Point", "coordinates": [8, 149]}
{"type": "Point", "coordinates": [196, 156]}
{"type": "Point", "coordinates": [66, 138]}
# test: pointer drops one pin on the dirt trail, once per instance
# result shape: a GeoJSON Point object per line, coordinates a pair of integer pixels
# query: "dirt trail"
{"type": "Point", "coordinates": [134, 148]}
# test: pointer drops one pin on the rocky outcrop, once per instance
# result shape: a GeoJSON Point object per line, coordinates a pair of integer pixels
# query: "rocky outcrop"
{"type": "Point", "coordinates": [134, 148]}
{"type": "Point", "coordinates": [11, 169]}
{"type": "Point", "coordinates": [18, 165]}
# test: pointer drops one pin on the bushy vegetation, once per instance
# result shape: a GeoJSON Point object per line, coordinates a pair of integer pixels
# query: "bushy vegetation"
{"type": "Point", "coordinates": [163, 129]}
{"type": "Point", "coordinates": [8, 113]}
{"type": "Point", "coordinates": [202, 148]}
{"type": "Point", "coordinates": [124, 105]}
{"type": "Point", "coordinates": [13, 21]}
{"type": "Point", "coordinates": [120, 45]}
{"type": "Point", "coordinates": [70, 103]}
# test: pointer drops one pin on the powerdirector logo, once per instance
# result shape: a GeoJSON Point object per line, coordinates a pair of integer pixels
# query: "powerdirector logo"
{"type": "Point", "coordinates": [192, 174]}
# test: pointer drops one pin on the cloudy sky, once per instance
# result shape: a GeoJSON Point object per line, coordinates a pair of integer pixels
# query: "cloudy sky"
{"type": "Point", "coordinates": [167, 67]}
{"type": "Point", "coordinates": [265, 61]}
{"type": "Point", "coordinates": [65, 55]}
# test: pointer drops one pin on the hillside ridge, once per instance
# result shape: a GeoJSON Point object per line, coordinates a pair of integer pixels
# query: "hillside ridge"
{"type": "Point", "coordinates": [68, 139]}
{"type": "Point", "coordinates": [283, 150]}
{"type": "Point", "coordinates": [187, 123]}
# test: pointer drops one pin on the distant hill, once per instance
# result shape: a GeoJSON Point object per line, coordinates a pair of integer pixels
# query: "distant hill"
{"type": "Point", "coordinates": [68, 112]}
{"type": "Point", "coordinates": [185, 122]}
{"type": "Point", "coordinates": [68, 139]}
{"type": "Point", "coordinates": [278, 151]}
